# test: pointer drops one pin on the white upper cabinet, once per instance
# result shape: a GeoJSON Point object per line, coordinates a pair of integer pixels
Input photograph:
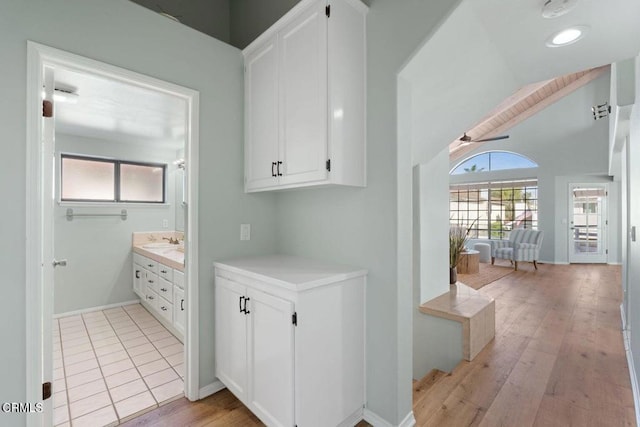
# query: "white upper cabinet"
{"type": "Point", "coordinates": [261, 110]}
{"type": "Point", "coordinates": [305, 99]}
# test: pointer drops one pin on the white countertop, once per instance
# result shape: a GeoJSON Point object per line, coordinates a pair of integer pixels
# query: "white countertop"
{"type": "Point", "coordinates": [290, 272]}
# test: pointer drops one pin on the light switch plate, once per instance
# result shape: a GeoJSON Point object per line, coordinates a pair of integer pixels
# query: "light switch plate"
{"type": "Point", "coordinates": [165, 223]}
{"type": "Point", "coordinates": [245, 231]}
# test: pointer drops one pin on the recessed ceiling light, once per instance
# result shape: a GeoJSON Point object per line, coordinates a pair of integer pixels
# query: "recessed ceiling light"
{"type": "Point", "coordinates": [567, 36]}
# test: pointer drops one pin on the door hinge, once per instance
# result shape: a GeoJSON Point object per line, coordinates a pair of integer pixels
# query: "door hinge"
{"type": "Point", "coordinates": [47, 108]}
{"type": "Point", "coordinates": [606, 222]}
{"type": "Point", "coordinates": [294, 319]}
{"type": "Point", "coordinates": [46, 390]}
{"type": "Point", "coordinates": [328, 165]}
{"type": "Point", "coordinates": [327, 10]}
{"type": "Point", "coordinates": [606, 251]}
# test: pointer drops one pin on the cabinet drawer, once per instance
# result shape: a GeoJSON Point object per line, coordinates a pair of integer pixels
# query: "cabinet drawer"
{"type": "Point", "coordinates": [152, 298]}
{"type": "Point", "coordinates": [178, 278]}
{"type": "Point", "coordinates": [165, 308]}
{"type": "Point", "coordinates": [165, 289]}
{"type": "Point", "coordinates": [165, 272]}
{"type": "Point", "coordinates": [150, 265]}
{"type": "Point", "coordinates": [152, 281]}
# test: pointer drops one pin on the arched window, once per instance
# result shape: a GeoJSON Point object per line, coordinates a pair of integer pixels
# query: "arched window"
{"type": "Point", "coordinates": [493, 161]}
{"type": "Point", "coordinates": [489, 208]}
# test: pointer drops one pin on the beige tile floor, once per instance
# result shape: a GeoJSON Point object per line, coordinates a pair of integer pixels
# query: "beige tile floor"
{"type": "Point", "coordinates": [110, 366]}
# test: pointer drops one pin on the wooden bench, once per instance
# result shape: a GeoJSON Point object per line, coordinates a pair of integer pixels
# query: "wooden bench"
{"type": "Point", "coordinates": [475, 311]}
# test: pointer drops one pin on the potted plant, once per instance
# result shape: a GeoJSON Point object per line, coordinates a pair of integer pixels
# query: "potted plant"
{"type": "Point", "coordinates": [458, 236]}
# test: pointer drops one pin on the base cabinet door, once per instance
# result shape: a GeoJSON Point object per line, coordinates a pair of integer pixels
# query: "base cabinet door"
{"type": "Point", "coordinates": [138, 280]}
{"type": "Point", "coordinates": [231, 336]}
{"type": "Point", "coordinates": [271, 356]}
{"type": "Point", "coordinates": [179, 313]}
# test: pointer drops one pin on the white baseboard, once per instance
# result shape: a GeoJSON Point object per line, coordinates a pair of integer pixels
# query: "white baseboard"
{"type": "Point", "coordinates": [553, 262]}
{"type": "Point", "coordinates": [377, 421]}
{"type": "Point", "coordinates": [352, 419]}
{"type": "Point", "coordinates": [624, 318]}
{"type": "Point", "coordinates": [98, 308]}
{"type": "Point", "coordinates": [210, 389]}
{"type": "Point", "coordinates": [632, 374]}
{"type": "Point", "coordinates": [614, 263]}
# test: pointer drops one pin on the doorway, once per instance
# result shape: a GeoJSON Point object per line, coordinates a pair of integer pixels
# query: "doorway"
{"type": "Point", "coordinates": [43, 194]}
{"type": "Point", "coordinates": [588, 223]}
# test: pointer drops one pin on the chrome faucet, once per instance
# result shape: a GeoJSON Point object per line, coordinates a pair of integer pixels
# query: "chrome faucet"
{"type": "Point", "coordinates": [171, 240]}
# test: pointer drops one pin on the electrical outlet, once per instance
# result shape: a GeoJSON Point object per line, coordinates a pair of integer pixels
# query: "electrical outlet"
{"type": "Point", "coordinates": [245, 231]}
{"type": "Point", "coordinates": [165, 223]}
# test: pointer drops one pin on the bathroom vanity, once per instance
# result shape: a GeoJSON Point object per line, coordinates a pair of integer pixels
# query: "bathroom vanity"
{"type": "Point", "coordinates": [158, 278]}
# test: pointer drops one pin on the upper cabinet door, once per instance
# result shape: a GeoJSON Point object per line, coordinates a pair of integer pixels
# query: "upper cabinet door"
{"type": "Point", "coordinates": [303, 97]}
{"type": "Point", "coordinates": [261, 121]}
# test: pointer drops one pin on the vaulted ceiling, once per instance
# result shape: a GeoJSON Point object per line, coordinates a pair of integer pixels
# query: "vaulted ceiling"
{"type": "Point", "coordinates": [489, 50]}
{"type": "Point", "coordinates": [520, 106]}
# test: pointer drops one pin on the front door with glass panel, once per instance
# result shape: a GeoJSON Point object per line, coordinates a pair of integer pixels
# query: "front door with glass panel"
{"type": "Point", "coordinates": [587, 223]}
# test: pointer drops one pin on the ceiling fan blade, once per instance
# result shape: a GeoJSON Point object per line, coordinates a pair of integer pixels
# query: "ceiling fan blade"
{"type": "Point", "coordinates": [495, 138]}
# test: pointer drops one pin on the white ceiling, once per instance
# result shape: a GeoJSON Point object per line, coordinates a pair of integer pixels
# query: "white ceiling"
{"type": "Point", "coordinates": [114, 111]}
{"type": "Point", "coordinates": [488, 49]}
{"type": "Point", "coordinates": [519, 32]}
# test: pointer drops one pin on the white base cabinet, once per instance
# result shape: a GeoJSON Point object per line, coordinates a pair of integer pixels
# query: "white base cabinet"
{"type": "Point", "coordinates": [161, 291]}
{"type": "Point", "coordinates": [290, 339]}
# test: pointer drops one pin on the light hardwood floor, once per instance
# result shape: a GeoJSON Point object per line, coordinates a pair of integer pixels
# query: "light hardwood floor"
{"type": "Point", "coordinates": [557, 360]}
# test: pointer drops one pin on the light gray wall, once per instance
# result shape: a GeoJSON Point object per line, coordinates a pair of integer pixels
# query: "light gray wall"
{"type": "Point", "coordinates": [567, 144]}
{"type": "Point", "coordinates": [208, 16]}
{"type": "Point", "coordinates": [361, 226]}
{"type": "Point", "coordinates": [117, 33]}
{"type": "Point", "coordinates": [98, 250]}
{"type": "Point", "coordinates": [633, 261]}
{"type": "Point", "coordinates": [437, 342]}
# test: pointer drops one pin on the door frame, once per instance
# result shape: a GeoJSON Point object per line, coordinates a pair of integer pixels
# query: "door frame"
{"type": "Point", "coordinates": [39, 241]}
{"type": "Point", "coordinates": [605, 217]}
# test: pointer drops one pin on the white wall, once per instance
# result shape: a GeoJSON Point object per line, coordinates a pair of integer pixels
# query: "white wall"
{"type": "Point", "coordinates": [122, 34]}
{"type": "Point", "coordinates": [98, 250]}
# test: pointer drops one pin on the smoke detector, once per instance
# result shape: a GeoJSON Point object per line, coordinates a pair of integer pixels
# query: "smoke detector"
{"type": "Point", "coordinates": [556, 8]}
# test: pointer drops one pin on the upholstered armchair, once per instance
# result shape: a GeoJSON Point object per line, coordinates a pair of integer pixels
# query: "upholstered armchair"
{"type": "Point", "coordinates": [523, 245]}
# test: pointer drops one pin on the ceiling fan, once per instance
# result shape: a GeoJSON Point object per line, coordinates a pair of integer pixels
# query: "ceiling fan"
{"type": "Point", "coordinates": [466, 139]}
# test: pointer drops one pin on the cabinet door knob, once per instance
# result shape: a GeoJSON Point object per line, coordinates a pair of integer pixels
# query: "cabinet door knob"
{"type": "Point", "coordinates": [279, 173]}
{"type": "Point", "coordinates": [163, 308]}
{"type": "Point", "coordinates": [137, 274]}
{"type": "Point", "coordinates": [163, 289]}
